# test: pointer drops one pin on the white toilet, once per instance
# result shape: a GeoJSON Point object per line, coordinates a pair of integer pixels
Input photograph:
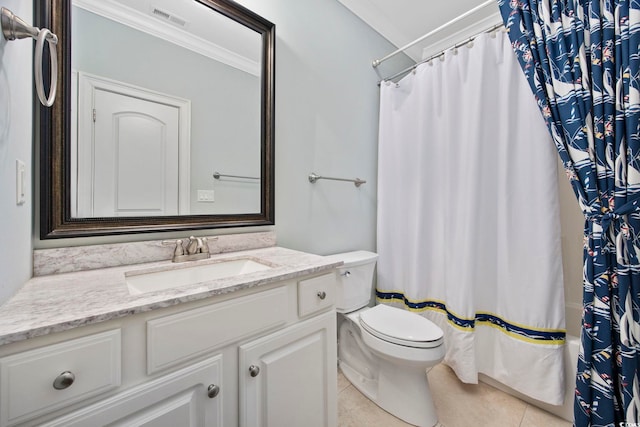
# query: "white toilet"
{"type": "Point", "coordinates": [384, 351]}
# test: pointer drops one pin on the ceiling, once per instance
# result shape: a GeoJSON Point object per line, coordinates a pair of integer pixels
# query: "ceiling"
{"type": "Point", "coordinates": [403, 21]}
{"type": "Point", "coordinates": [399, 21]}
{"type": "Point", "coordinates": [188, 24]}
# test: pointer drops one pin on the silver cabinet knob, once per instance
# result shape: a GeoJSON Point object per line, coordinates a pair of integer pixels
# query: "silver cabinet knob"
{"type": "Point", "coordinates": [213, 390]}
{"type": "Point", "coordinates": [322, 294]}
{"type": "Point", "coordinates": [254, 370]}
{"type": "Point", "coordinates": [64, 380]}
{"type": "Point", "coordinates": [346, 274]}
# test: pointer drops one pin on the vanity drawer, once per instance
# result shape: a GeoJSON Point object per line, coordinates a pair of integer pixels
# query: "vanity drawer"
{"type": "Point", "coordinates": [177, 338]}
{"type": "Point", "coordinates": [316, 294]}
{"type": "Point", "coordinates": [28, 379]}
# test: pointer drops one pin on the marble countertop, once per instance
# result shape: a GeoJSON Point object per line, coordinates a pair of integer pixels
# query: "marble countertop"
{"type": "Point", "coordinates": [60, 302]}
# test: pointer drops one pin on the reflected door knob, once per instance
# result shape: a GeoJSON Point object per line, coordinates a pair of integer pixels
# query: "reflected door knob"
{"type": "Point", "coordinates": [254, 370]}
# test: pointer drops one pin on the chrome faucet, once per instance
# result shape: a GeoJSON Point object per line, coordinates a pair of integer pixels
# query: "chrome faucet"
{"type": "Point", "coordinates": [196, 248]}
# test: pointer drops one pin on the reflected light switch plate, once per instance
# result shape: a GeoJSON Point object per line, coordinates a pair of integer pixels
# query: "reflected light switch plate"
{"type": "Point", "coordinates": [205, 196]}
{"type": "Point", "coordinates": [21, 196]}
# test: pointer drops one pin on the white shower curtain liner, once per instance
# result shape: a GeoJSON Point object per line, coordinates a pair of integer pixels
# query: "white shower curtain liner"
{"type": "Point", "coordinates": [468, 227]}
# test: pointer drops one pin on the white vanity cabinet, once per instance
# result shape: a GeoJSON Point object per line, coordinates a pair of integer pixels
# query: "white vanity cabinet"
{"type": "Point", "coordinates": [286, 378]}
{"type": "Point", "coordinates": [263, 356]}
{"type": "Point", "coordinates": [183, 398]}
{"type": "Point", "coordinates": [38, 381]}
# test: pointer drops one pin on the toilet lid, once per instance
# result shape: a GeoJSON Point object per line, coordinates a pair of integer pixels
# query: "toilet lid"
{"type": "Point", "coordinates": [401, 327]}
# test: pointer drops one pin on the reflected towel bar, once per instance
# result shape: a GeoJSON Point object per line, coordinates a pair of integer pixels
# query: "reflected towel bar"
{"type": "Point", "coordinates": [314, 177]}
{"type": "Point", "coordinates": [218, 175]}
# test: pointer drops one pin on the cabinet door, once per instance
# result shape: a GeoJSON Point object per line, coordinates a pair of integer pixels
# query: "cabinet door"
{"type": "Point", "coordinates": [288, 378]}
{"type": "Point", "coordinates": [181, 398]}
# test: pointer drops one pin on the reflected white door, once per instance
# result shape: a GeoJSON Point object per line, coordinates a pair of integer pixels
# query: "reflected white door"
{"type": "Point", "coordinates": [135, 152]}
{"type": "Point", "coordinates": [131, 167]}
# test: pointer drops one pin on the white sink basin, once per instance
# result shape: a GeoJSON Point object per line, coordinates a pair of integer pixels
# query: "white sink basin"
{"type": "Point", "coordinates": [139, 283]}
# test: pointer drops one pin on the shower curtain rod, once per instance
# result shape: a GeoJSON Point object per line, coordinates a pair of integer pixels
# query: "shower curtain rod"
{"type": "Point", "coordinates": [455, 46]}
{"type": "Point", "coordinates": [470, 12]}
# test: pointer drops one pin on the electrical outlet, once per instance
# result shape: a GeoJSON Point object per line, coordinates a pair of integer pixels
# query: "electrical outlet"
{"type": "Point", "coordinates": [21, 192]}
{"type": "Point", "coordinates": [206, 196]}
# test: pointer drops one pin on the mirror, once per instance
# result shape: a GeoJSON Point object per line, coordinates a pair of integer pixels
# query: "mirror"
{"type": "Point", "coordinates": [164, 118]}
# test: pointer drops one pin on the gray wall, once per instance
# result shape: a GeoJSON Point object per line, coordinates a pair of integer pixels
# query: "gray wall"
{"type": "Point", "coordinates": [15, 143]}
{"type": "Point", "coordinates": [326, 122]}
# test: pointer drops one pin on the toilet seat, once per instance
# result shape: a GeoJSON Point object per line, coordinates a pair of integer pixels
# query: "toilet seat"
{"type": "Point", "coordinates": [401, 327]}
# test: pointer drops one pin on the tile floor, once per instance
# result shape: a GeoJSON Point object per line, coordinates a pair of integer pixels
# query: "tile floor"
{"type": "Point", "coordinates": [457, 404]}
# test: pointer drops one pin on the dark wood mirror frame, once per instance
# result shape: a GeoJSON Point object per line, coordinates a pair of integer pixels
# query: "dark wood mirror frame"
{"type": "Point", "coordinates": [53, 126]}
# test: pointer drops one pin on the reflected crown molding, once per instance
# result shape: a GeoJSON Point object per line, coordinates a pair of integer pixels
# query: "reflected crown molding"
{"type": "Point", "coordinates": [140, 21]}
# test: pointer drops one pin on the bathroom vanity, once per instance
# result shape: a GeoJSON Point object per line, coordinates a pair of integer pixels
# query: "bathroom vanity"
{"type": "Point", "coordinates": [250, 349]}
{"type": "Point", "coordinates": [247, 337]}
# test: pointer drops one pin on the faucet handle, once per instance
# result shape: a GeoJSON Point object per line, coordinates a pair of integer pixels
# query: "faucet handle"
{"type": "Point", "coordinates": [179, 249]}
{"type": "Point", "coordinates": [203, 246]}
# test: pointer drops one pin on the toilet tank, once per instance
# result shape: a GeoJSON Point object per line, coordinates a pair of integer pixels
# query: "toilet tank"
{"type": "Point", "coordinates": [354, 280]}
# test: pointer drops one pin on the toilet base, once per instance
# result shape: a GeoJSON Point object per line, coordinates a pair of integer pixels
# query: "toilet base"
{"type": "Point", "coordinates": [401, 390]}
{"type": "Point", "coordinates": [407, 396]}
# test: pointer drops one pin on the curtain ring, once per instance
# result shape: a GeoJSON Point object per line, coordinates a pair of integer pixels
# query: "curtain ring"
{"type": "Point", "coordinates": [45, 34]}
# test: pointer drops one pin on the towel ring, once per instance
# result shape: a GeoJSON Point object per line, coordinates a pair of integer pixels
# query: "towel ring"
{"type": "Point", "coordinates": [45, 34]}
{"type": "Point", "coordinates": [13, 27]}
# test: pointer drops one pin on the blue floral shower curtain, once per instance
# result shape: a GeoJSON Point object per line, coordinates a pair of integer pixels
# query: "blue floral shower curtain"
{"type": "Point", "coordinates": [581, 58]}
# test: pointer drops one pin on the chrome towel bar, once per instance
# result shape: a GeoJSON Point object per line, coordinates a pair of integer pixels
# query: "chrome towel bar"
{"type": "Point", "coordinates": [313, 177]}
{"type": "Point", "coordinates": [218, 175]}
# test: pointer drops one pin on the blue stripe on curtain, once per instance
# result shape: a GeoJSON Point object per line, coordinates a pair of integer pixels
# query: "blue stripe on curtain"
{"type": "Point", "coordinates": [525, 333]}
{"type": "Point", "coordinates": [581, 58]}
